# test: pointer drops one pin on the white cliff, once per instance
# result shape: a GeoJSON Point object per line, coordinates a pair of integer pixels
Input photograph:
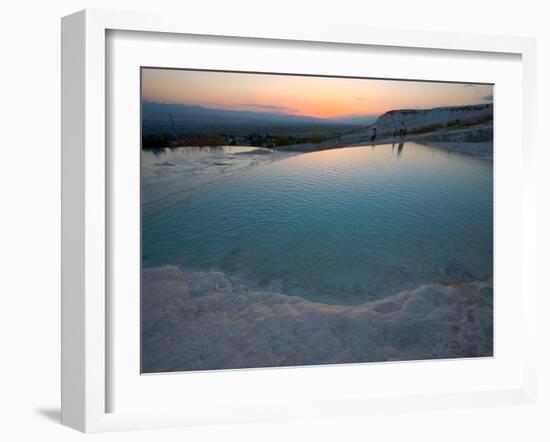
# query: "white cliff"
{"type": "Point", "coordinates": [464, 129]}
{"type": "Point", "coordinates": [409, 120]}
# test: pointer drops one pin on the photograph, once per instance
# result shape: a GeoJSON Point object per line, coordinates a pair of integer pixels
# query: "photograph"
{"type": "Point", "coordinates": [302, 220]}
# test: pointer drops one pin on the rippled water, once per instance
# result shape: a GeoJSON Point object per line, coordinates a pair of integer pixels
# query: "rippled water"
{"type": "Point", "coordinates": [341, 226]}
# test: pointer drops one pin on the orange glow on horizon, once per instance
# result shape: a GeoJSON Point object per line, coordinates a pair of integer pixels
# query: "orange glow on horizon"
{"type": "Point", "coordinates": [321, 97]}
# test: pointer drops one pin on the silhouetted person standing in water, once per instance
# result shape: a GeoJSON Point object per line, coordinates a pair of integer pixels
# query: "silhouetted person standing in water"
{"type": "Point", "coordinates": [373, 136]}
{"type": "Point", "coordinates": [403, 130]}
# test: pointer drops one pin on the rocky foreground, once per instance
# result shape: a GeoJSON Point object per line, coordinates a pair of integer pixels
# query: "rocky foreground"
{"type": "Point", "coordinates": [203, 321]}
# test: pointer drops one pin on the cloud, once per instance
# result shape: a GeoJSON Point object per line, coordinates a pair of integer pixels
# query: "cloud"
{"type": "Point", "coordinates": [268, 108]}
{"type": "Point", "coordinates": [488, 97]}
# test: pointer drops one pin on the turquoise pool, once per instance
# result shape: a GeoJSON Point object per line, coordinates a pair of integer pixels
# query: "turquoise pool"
{"type": "Point", "coordinates": [341, 226]}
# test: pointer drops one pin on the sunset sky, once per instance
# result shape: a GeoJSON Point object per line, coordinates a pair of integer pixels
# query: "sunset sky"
{"type": "Point", "coordinates": [323, 97]}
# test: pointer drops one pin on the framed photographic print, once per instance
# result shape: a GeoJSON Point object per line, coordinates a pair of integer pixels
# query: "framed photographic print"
{"type": "Point", "coordinates": [303, 220]}
{"type": "Point", "coordinates": [284, 222]}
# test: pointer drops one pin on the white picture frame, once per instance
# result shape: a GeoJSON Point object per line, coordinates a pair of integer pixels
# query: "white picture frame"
{"type": "Point", "coordinates": [86, 316]}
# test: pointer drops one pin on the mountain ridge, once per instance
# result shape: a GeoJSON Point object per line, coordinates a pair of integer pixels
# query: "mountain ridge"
{"type": "Point", "coordinates": [192, 118]}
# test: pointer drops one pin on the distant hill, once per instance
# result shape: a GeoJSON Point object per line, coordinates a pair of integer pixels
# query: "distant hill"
{"type": "Point", "coordinates": [196, 119]}
{"type": "Point", "coordinates": [360, 120]}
